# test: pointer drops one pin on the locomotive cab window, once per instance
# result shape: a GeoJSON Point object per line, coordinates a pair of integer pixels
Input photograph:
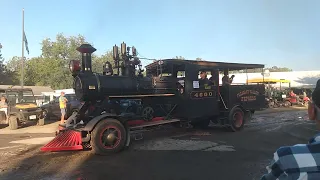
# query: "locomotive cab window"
{"type": "Point", "coordinates": [181, 77]}
{"type": "Point", "coordinates": [207, 79]}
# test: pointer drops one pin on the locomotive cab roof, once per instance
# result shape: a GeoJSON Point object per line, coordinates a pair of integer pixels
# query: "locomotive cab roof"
{"type": "Point", "coordinates": [169, 63]}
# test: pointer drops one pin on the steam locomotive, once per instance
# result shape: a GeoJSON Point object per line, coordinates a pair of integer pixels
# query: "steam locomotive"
{"type": "Point", "coordinates": [176, 101]}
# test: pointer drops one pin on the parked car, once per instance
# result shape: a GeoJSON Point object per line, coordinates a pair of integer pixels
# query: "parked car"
{"type": "Point", "coordinates": [52, 109]}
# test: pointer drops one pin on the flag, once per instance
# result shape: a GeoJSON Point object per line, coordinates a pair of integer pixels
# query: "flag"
{"type": "Point", "coordinates": [26, 42]}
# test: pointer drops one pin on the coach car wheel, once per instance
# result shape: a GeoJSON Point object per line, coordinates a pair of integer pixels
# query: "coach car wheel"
{"type": "Point", "coordinates": [109, 136]}
{"type": "Point", "coordinates": [236, 119]}
{"type": "Point", "coordinates": [13, 122]}
{"type": "Point", "coordinates": [147, 113]}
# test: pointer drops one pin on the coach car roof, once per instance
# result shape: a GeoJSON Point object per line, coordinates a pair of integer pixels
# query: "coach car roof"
{"type": "Point", "coordinates": [211, 64]}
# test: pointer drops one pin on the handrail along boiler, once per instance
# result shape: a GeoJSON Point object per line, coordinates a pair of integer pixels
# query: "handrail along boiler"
{"type": "Point", "coordinates": [103, 123]}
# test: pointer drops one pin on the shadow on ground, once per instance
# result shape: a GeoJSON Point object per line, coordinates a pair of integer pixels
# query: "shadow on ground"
{"type": "Point", "coordinates": [29, 124]}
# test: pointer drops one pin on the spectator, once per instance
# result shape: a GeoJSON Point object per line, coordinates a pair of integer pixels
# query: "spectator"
{"type": "Point", "coordinates": [225, 78]}
{"type": "Point", "coordinates": [299, 161]}
{"type": "Point", "coordinates": [63, 106]}
{"type": "Point", "coordinates": [4, 106]}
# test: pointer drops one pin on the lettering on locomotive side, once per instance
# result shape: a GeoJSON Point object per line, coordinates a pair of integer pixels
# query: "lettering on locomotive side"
{"type": "Point", "coordinates": [202, 94]}
{"type": "Point", "coordinates": [248, 95]}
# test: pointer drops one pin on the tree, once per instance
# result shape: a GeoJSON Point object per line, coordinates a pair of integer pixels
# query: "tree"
{"type": "Point", "coordinates": [51, 68]}
{"type": "Point", "coordinates": [99, 61]}
{"type": "Point", "coordinates": [6, 76]}
{"type": "Point", "coordinates": [279, 69]}
{"type": "Point", "coordinates": [199, 59]}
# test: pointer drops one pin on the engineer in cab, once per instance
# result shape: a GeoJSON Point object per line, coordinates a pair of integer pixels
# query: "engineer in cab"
{"type": "Point", "coordinates": [204, 82]}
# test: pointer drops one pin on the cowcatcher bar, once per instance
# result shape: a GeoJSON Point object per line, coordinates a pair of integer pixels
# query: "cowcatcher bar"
{"type": "Point", "coordinates": [66, 140]}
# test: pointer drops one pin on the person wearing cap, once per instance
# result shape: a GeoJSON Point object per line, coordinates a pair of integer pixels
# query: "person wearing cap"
{"type": "Point", "coordinates": [300, 161]}
{"type": "Point", "coordinates": [204, 81]}
{"type": "Point", "coordinates": [63, 106]}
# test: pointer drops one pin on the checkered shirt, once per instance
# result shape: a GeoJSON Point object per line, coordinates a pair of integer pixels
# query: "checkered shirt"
{"type": "Point", "coordinates": [298, 162]}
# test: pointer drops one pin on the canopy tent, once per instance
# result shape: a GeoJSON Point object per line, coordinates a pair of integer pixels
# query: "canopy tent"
{"type": "Point", "coordinates": [267, 80]}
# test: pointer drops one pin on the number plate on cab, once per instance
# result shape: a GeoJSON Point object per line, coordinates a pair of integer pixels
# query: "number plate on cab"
{"type": "Point", "coordinates": [33, 117]}
{"type": "Point", "coordinates": [202, 94]}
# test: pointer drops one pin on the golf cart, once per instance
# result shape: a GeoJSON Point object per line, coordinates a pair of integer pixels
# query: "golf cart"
{"type": "Point", "coordinates": [297, 98]}
{"type": "Point", "coordinates": [22, 108]}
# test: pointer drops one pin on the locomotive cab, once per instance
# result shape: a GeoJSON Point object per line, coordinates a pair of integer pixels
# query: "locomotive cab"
{"type": "Point", "coordinates": [183, 76]}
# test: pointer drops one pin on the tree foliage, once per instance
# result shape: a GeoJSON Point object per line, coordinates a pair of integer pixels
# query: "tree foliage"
{"type": "Point", "coordinates": [279, 69]}
{"type": "Point", "coordinates": [51, 67]}
{"type": "Point", "coordinates": [6, 75]}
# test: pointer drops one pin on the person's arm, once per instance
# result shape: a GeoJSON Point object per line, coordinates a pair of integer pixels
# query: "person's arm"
{"type": "Point", "coordinates": [275, 169]}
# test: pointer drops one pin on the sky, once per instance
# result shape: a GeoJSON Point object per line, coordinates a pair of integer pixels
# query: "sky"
{"type": "Point", "coordinates": [272, 32]}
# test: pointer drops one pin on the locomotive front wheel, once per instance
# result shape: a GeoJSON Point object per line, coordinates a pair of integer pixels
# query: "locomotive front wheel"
{"type": "Point", "coordinates": [109, 136]}
{"type": "Point", "coordinates": [236, 119]}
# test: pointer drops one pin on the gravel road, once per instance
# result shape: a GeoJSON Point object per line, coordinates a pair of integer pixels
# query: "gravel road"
{"type": "Point", "coordinates": [164, 154]}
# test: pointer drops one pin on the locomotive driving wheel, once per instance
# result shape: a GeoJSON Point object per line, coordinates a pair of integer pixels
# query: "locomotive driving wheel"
{"type": "Point", "coordinates": [147, 113]}
{"type": "Point", "coordinates": [109, 136]}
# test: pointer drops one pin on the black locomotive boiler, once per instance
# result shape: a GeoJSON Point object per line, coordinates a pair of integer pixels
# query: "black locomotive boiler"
{"type": "Point", "coordinates": [171, 92]}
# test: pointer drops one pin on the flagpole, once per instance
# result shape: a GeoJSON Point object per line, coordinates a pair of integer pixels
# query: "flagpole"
{"type": "Point", "coordinates": [22, 61]}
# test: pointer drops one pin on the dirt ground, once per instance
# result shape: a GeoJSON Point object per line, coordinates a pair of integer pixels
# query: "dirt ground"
{"type": "Point", "coordinates": [164, 154]}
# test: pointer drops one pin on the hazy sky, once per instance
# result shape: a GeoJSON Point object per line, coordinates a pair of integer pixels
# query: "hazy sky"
{"type": "Point", "coordinates": [271, 32]}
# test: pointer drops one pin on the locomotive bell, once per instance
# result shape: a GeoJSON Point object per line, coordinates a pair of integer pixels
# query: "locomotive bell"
{"type": "Point", "coordinates": [86, 50]}
{"type": "Point", "coordinates": [107, 69]}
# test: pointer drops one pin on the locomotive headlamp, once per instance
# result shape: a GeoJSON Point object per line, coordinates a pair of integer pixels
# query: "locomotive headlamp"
{"type": "Point", "coordinates": [74, 66]}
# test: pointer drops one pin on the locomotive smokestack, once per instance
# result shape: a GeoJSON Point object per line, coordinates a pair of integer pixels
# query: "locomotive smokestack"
{"type": "Point", "coordinates": [86, 50]}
